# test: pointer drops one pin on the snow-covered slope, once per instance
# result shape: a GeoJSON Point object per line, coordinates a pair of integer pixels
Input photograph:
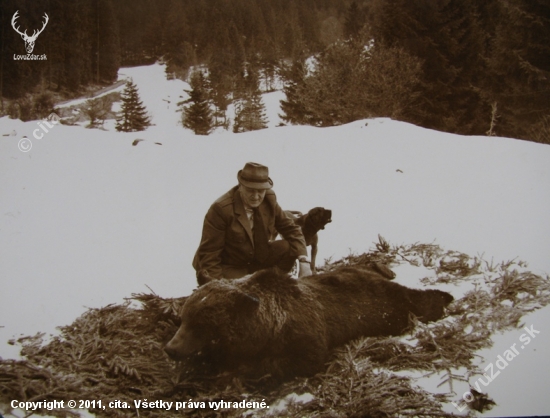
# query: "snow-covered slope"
{"type": "Point", "coordinates": [86, 218]}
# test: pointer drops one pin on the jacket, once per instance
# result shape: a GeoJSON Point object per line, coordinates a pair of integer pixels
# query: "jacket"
{"type": "Point", "coordinates": [227, 238]}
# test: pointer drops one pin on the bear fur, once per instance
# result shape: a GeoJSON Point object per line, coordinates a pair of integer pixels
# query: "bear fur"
{"type": "Point", "coordinates": [271, 324]}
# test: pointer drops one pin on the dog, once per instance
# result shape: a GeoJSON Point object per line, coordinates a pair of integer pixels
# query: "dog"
{"type": "Point", "coordinates": [311, 223]}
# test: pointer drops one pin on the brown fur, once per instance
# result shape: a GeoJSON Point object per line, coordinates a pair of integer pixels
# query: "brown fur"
{"type": "Point", "coordinates": [271, 324]}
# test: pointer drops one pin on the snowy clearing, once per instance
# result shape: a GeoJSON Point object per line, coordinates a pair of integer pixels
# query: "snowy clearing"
{"type": "Point", "coordinates": [86, 218]}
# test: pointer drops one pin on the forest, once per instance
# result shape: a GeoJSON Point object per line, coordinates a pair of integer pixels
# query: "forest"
{"type": "Point", "coordinates": [462, 66]}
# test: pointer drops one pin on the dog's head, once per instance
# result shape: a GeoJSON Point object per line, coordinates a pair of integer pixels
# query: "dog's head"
{"type": "Point", "coordinates": [319, 217]}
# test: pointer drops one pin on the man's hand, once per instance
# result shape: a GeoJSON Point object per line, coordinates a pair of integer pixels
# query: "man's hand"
{"type": "Point", "coordinates": [304, 270]}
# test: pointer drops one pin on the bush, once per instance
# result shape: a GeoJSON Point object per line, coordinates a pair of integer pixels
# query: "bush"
{"type": "Point", "coordinates": [43, 105]}
{"type": "Point", "coordinates": [97, 110]}
{"type": "Point", "coordinates": [26, 108]}
{"type": "Point", "coordinates": [21, 109]}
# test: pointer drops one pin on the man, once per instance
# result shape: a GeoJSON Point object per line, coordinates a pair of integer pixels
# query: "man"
{"type": "Point", "coordinates": [237, 230]}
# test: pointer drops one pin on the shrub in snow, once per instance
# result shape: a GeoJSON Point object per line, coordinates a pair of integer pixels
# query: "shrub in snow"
{"type": "Point", "coordinates": [97, 111]}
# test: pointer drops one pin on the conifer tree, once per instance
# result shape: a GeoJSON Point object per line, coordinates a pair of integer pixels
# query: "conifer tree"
{"type": "Point", "coordinates": [519, 68]}
{"type": "Point", "coordinates": [294, 109]}
{"type": "Point", "coordinates": [355, 20]}
{"type": "Point", "coordinates": [105, 53]}
{"type": "Point", "coordinates": [249, 108]}
{"type": "Point", "coordinates": [197, 116]}
{"type": "Point", "coordinates": [349, 82]}
{"type": "Point", "coordinates": [133, 115]}
{"type": "Point", "coordinates": [445, 39]}
{"type": "Point", "coordinates": [221, 86]}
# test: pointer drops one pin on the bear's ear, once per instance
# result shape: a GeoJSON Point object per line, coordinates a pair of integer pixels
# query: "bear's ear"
{"type": "Point", "coordinates": [330, 280]}
{"type": "Point", "coordinates": [245, 302]}
{"type": "Point", "coordinates": [271, 276]}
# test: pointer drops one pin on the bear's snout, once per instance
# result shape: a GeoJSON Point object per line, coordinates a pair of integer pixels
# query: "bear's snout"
{"type": "Point", "coordinates": [171, 351]}
{"type": "Point", "coordinates": [183, 344]}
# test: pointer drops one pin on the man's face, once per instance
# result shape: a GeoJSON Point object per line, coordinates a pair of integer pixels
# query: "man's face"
{"type": "Point", "coordinates": [252, 197]}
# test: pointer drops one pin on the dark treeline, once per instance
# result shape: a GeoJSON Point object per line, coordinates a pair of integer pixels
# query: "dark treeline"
{"type": "Point", "coordinates": [81, 42]}
{"type": "Point", "coordinates": [461, 66]}
{"type": "Point", "coordinates": [86, 41]}
{"type": "Point", "coordinates": [485, 64]}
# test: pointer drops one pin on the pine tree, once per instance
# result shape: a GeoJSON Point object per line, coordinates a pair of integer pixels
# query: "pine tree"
{"type": "Point", "coordinates": [179, 53]}
{"type": "Point", "coordinates": [352, 81]}
{"type": "Point", "coordinates": [294, 109]}
{"type": "Point", "coordinates": [224, 69]}
{"type": "Point", "coordinates": [249, 107]}
{"type": "Point", "coordinates": [197, 116]}
{"type": "Point", "coordinates": [444, 35]}
{"type": "Point", "coordinates": [74, 46]}
{"type": "Point", "coordinates": [519, 69]}
{"type": "Point", "coordinates": [220, 85]}
{"type": "Point", "coordinates": [133, 116]}
{"type": "Point", "coordinates": [105, 52]}
{"type": "Point", "coordinates": [249, 114]}
{"type": "Point", "coordinates": [355, 20]}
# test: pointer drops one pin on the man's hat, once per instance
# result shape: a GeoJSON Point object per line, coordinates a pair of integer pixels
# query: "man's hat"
{"type": "Point", "coordinates": [255, 176]}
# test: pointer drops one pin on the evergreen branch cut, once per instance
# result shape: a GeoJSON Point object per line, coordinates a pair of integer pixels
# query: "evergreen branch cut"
{"type": "Point", "coordinates": [115, 352]}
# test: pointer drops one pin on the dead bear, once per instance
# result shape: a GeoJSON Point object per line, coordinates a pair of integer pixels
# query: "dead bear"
{"type": "Point", "coordinates": [271, 324]}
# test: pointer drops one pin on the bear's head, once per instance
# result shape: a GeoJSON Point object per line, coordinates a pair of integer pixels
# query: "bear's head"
{"type": "Point", "coordinates": [430, 304]}
{"type": "Point", "coordinates": [213, 319]}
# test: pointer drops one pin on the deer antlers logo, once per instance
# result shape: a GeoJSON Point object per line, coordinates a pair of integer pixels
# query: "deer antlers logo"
{"type": "Point", "coordinates": [29, 40]}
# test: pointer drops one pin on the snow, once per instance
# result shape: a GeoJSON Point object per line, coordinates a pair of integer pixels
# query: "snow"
{"type": "Point", "coordinates": [86, 218]}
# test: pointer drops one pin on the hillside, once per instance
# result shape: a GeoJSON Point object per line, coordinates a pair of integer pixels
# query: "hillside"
{"type": "Point", "coordinates": [88, 219]}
